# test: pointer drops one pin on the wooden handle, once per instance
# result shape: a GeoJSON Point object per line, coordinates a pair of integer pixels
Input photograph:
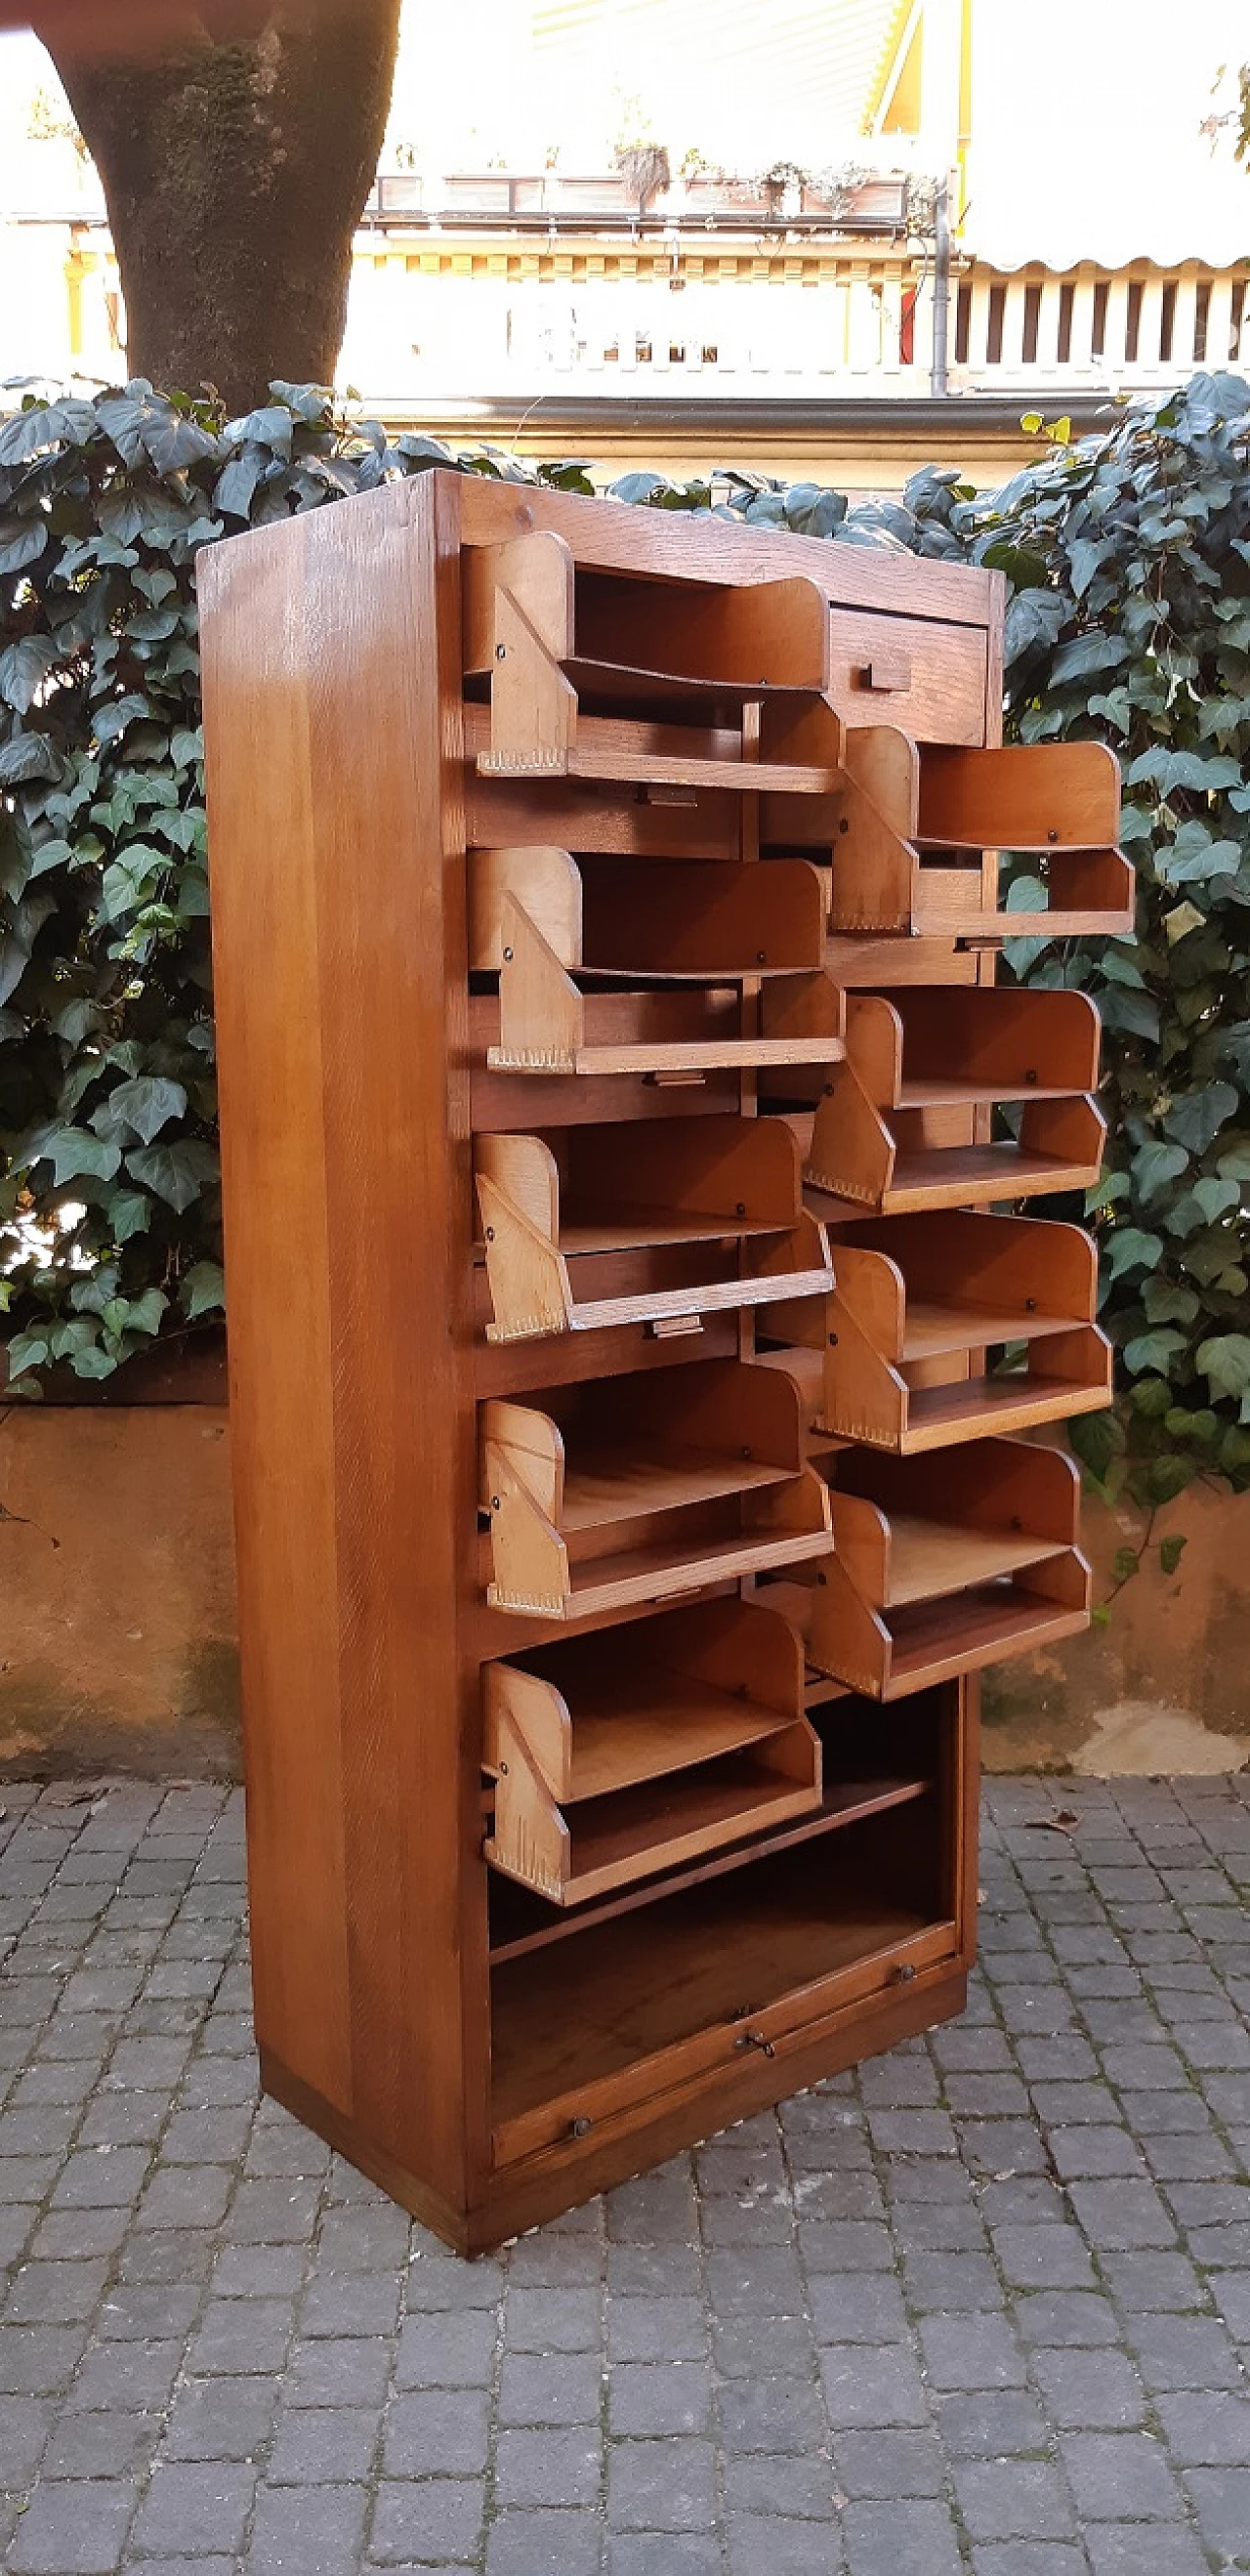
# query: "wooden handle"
{"type": "Point", "coordinates": [885, 672]}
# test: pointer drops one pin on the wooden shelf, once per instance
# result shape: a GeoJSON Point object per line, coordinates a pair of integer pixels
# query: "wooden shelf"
{"type": "Point", "coordinates": [700, 924]}
{"type": "Point", "coordinates": [869, 1157]}
{"type": "Point", "coordinates": [915, 834]}
{"type": "Point", "coordinates": [642, 1190]}
{"type": "Point", "coordinates": [891, 1357]}
{"type": "Point", "coordinates": [618, 1492]}
{"type": "Point", "coordinates": [618, 1756]}
{"type": "Point", "coordinates": [842, 1803]}
{"type": "Point", "coordinates": [944, 1564]}
{"type": "Point", "coordinates": [931, 1047]}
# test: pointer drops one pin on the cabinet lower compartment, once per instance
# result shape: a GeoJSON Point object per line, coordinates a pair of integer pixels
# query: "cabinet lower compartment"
{"type": "Point", "coordinates": [734, 1956]}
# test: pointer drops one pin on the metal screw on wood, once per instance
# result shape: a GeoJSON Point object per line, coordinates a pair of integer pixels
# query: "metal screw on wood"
{"type": "Point", "coordinates": [501, 652]}
{"type": "Point", "coordinates": [580, 2128]}
{"type": "Point", "coordinates": [507, 956]}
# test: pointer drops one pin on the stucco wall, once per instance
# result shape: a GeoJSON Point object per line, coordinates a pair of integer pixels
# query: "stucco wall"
{"type": "Point", "coordinates": [117, 1615]}
{"type": "Point", "coordinates": [117, 1606]}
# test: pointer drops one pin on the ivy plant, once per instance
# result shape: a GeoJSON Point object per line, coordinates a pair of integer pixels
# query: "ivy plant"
{"type": "Point", "coordinates": [1129, 622]}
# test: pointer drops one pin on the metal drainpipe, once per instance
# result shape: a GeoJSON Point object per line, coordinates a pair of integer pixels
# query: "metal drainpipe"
{"type": "Point", "coordinates": [941, 289]}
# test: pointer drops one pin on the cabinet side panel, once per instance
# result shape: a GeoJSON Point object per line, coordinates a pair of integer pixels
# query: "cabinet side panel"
{"type": "Point", "coordinates": [323, 712]}
{"type": "Point", "coordinates": [273, 1173]}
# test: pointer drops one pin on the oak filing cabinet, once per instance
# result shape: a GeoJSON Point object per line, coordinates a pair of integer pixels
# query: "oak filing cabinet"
{"type": "Point", "coordinates": [640, 1330]}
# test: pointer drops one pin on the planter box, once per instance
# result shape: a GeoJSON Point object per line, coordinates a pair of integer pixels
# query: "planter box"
{"type": "Point", "coordinates": [117, 1648]}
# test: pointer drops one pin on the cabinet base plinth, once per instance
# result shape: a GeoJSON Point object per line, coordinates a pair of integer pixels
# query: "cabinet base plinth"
{"type": "Point", "coordinates": [641, 2136]}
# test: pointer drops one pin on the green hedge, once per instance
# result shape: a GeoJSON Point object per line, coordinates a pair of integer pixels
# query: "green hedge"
{"type": "Point", "coordinates": [1130, 619]}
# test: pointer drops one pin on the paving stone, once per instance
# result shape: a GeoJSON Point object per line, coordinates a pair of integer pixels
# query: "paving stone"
{"type": "Point", "coordinates": [1132, 2549]}
{"type": "Point", "coordinates": [430, 2521]}
{"type": "Point", "coordinates": [73, 2529]}
{"type": "Point", "coordinates": [1208, 2431]}
{"type": "Point", "coordinates": [1116, 2475]}
{"type": "Point", "coordinates": [768, 2545]}
{"type": "Point", "coordinates": [990, 2424]}
{"type": "Point", "coordinates": [889, 2466]}
{"type": "Point", "coordinates": [653, 2553]}
{"type": "Point", "coordinates": [1221, 2500]}
{"type": "Point", "coordinates": [971, 2352]}
{"type": "Point", "coordinates": [306, 2531]}
{"type": "Point", "coordinates": [315, 2445]}
{"type": "Point", "coordinates": [661, 2486]}
{"type": "Point", "coordinates": [220, 2419]}
{"type": "Point", "coordinates": [1090, 2390]}
{"type": "Point", "coordinates": [551, 2468]}
{"type": "Point", "coordinates": [646, 2329]}
{"type": "Point", "coordinates": [916, 2538]}
{"type": "Point", "coordinates": [758, 2482]}
{"type": "Point", "coordinates": [659, 2397]}
{"type": "Point", "coordinates": [194, 2507]}
{"type": "Point", "coordinates": [433, 2430]}
{"type": "Point", "coordinates": [1012, 2500]}
{"type": "Point", "coordinates": [869, 2387]}
{"type": "Point", "coordinates": [446, 2352]}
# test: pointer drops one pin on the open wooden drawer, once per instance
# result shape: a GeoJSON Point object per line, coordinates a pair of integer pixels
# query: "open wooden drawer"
{"type": "Point", "coordinates": [895, 1128]}
{"type": "Point", "coordinates": [915, 832]}
{"type": "Point", "coordinates": [915, 826]}
{"type": "Point", "coordinates": [618, 1755]}
{"type": "Point", "coordinates": [896, 1355]}
{"type": "Point", "coordinates": [652, 1222]}
{"type": "Point", "coordinates": [547, 925]}
{"type": "Point", "coordinates": [943, 1564]}
{"type": "Point", "coordinates": [635, 1489]}
{"type": "Point", "coordinates": [562, 648]}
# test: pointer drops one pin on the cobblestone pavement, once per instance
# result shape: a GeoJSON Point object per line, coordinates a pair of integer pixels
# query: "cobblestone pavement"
{"type": "Point", "coordinates": [984, 2306]}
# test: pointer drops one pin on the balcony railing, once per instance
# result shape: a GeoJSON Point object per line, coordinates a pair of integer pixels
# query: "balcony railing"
{"type": "Point", "coordinates": [555, 200]}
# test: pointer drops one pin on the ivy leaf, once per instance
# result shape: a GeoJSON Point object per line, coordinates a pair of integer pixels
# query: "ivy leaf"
{"type": "Point", "coordinates": [1199, 1116]}
{"type": "Point", "coordinates": [129, 1212]}
{"type": "Point", "coordinates": [1154, 1165]}
{"type": "Point", "coordinates": [1225, 1363]}
{"type": "Point", "coordinates": [112, 720]}
{"type": "Point", "coordinates": [203, 1289]}
{"type": "Point", "coordinates": [1155, 1350]}
{"type": "Point", "coordinates": [1129, 1248]}
{"type": "Point", "coordinates": [175, 1173]}
{"type": "Point", "coordinates": [26, 1351]}
{"type": "Point", "coordinates": [22, 541]}
{"type": "Point", "coordinates": [1166, 1303]}
{"type": "Point", "coordinates": [1034, 618]}
{"type": "Point", "coordinates": [1171, 1551]}
{"type": "Point", "coordinates": [1087, 654]}
{"type": "Point", "coordinates": [1098, 1440]}
{"type": "Point", "coordinates": [26, 756]}
{"type": "Point", "coordinates": [1169, 770]}
{"type": "Point", "coordinates": [75, 1152]}
{"type": "Point", "coordinates": [24, 666]}
{"type": "Point", "coordinates": [1168, 1477]}
{"type": "Point", "coordinates": [1216, 1198]}
{"type": "Point", "coordinates": [146, 1105]}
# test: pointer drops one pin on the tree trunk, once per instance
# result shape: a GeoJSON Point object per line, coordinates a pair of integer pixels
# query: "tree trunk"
{"type": "Point", "coordinates": [235, 156]}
